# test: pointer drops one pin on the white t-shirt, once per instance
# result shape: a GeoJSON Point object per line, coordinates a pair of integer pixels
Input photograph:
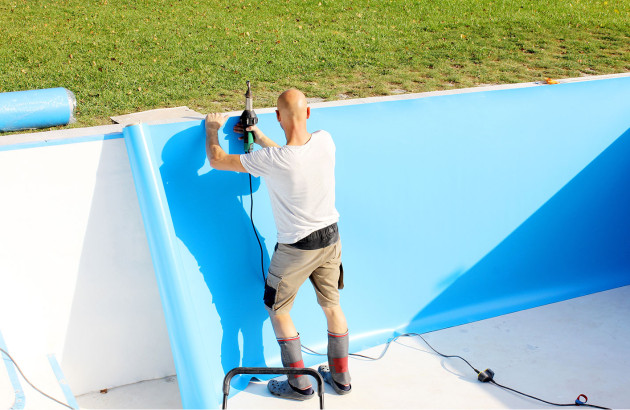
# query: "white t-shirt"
{"type": "Point", "coordinates": [301, 184]}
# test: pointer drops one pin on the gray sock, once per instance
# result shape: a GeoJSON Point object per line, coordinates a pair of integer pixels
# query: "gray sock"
{"type": "Point", "coordinates": [338, 359]}
{"type": "Point", "coordinates": [291, 354]}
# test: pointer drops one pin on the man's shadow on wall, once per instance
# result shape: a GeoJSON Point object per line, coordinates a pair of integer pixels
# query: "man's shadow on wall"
{"type": "Point", "coordinates": [210, 219]}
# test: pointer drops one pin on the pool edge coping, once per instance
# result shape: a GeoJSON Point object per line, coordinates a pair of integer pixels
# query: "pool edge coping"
{"type": "Point", "coordinates": [114, 131]}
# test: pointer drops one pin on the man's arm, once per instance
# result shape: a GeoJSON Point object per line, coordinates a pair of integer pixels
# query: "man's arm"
{"type": "Point", "coordinates": [219, 159]}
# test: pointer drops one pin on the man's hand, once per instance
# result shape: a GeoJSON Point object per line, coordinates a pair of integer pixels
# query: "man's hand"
{"type": "Point", "coordinates": [238, 128]}
{"type": "Point", "coordinates": [259, 137]}
{"type": "Point", "coordinates": [219, 159]}
{"type": "Point", "coordinates": [214, 121]}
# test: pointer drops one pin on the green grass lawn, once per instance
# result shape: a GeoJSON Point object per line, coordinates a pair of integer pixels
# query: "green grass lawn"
{"type": "Point", "coordinates": [121, 56]}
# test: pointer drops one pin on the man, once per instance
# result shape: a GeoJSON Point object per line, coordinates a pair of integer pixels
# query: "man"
{"type": "Point", "coordinates": [301, 183]}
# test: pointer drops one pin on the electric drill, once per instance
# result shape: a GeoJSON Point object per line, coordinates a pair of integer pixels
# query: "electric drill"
{"type": "Point", "coordinates": [248, 118]}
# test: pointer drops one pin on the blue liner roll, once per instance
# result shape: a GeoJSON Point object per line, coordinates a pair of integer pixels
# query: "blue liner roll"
{"type": "Point", "coordinates": [30, 109]}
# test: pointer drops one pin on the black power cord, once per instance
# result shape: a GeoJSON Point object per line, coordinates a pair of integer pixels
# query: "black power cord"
{"type": "Point", "coordinates": [31, 384]}
{"type": "Point", "coordinates": [485, 376]}
{"type": "Point", "coordinates": [251, 217]}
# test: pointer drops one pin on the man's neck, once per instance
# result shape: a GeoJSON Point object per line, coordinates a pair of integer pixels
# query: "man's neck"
{"type": "Point", "coordinates": [297, 135]}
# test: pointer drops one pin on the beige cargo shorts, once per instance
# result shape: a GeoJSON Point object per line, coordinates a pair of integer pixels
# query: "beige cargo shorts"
{"type": "Point", "coordinates": [289, 269]}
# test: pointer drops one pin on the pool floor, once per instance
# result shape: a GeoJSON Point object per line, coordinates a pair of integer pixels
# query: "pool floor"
{"type": "Point", "coordinates": [556, 352]}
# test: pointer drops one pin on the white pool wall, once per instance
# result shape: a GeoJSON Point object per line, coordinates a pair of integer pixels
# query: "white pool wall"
{"type": "Point", "coordinates": [76, 278]}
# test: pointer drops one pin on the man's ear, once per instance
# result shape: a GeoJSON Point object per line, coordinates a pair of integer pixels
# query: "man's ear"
{"type": "Point", "coordinates": [278, 115]}
{"type": "Point", "coordinates": [308, 112]}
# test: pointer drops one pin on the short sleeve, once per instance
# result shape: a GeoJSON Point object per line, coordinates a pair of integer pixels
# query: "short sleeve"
{"type": "Point", "coordinates": [258, 163]}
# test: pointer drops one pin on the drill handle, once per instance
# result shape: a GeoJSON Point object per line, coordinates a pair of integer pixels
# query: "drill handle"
{"type": "Point", "coordinates": [248, 118]}
{"type": "Point", "coordinates": [248, 141]}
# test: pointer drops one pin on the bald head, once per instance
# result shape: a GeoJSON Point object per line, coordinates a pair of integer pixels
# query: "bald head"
{"type": "Point", "coordinates": [292, 105]}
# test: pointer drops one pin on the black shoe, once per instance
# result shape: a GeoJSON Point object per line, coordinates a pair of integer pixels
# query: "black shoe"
{"type": "Point", "coordinates": [286, 391]}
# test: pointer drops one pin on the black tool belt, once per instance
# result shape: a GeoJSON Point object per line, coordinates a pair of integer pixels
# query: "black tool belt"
{"type": "Point", "coordinates": [319, 239]}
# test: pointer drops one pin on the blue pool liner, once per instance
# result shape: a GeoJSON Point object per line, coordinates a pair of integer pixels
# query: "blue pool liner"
{"type": "Point", "coordinates": [453, 209]}
{"type": "Point", "coordinates": [50, 107]}
{"type": "Point", "coordinates": [19, 401]}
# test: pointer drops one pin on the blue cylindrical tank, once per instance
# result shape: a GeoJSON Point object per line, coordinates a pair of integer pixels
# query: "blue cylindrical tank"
{"type": "Point", "coordinates": [21, 110]}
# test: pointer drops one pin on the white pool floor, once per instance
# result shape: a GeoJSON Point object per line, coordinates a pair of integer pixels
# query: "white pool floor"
{"type": "Point", "coordinates": [555, 352]}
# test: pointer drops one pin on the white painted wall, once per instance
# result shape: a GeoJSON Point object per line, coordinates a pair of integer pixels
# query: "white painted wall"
{"type": "Point", "coordinates": [76, 277]}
